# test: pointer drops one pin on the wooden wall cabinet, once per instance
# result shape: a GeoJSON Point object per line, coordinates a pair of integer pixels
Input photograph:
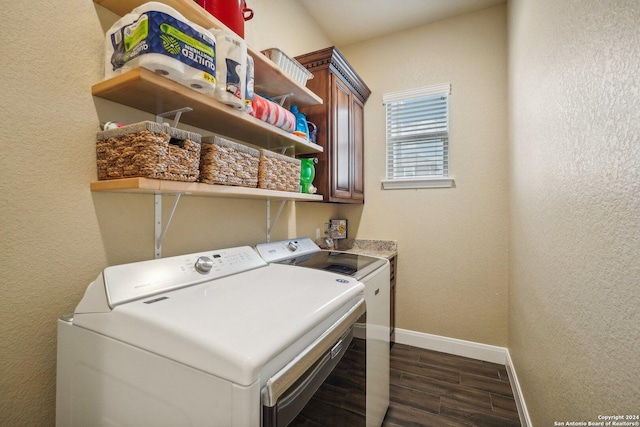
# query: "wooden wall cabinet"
{"type": "Point", "coordinates": [340, 122]}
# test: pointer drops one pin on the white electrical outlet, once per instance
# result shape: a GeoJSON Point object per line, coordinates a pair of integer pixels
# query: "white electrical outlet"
{"type": "Point", "coordinates": [317, 233]}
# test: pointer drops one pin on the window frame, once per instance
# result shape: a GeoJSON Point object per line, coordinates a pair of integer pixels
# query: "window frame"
{"type": "Point", "coordinates": [437, 181]}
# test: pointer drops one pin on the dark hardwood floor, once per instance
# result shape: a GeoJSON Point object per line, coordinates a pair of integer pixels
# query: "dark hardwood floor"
{"type": "Point", "coordinates": [435, 389]}
{"type": "Point", "coordinates": [427, 388]}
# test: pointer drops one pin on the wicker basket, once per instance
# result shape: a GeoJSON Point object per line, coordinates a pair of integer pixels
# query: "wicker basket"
{"type": "Point", "coordinates": [228, 163]}
{"type": "Point", "coordinates": [148, 150]}
{"type": "Point", "coordinates": [278, 172]}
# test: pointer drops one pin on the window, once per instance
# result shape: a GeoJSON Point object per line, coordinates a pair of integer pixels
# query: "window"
{"type": "Point", "coordinates": [418, 138]}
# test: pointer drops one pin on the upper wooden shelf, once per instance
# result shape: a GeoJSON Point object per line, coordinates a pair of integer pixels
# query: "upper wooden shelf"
{"type": "Point", "coordinates": [157, 186]}
{"type": "Point", "coordinates": [147, 91]}
{"type": "Point", "coordinates": [270, 80]}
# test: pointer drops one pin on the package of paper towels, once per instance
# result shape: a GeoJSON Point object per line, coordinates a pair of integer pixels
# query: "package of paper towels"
{"type": "Point", "coordinates": [157, 37]}
{"type": "Point", "coordinates": [231, 66]}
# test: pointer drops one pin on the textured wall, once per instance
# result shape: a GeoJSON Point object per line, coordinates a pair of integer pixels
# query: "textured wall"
{"type": "Point", "coordinates": [452, 273]}
{"type": "Point", "coordinates": [284, 24]}
{"type": "Point", "coordinates": [56, 236]}
{"type": "Point", "coordinates": [574, 322]}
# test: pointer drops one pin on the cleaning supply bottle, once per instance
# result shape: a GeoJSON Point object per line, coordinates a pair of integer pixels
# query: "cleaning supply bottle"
{"type": "Point", "coordinates": [302, 128]}
{"type": "Point", "coordinates": [307, 173]}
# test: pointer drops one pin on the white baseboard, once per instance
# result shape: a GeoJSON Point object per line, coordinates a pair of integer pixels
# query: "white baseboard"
{"type": "Point", "coordinates": [523, 412]}
{"type": "Point", "coordinates": [473, 350]}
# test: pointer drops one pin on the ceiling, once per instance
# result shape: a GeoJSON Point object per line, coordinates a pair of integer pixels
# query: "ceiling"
{"type": "Point", "coordinates": [351, 21]}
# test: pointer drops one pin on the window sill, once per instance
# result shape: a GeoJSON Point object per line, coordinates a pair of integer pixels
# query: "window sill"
{"type": "Point", "coordinates": [401, 184]}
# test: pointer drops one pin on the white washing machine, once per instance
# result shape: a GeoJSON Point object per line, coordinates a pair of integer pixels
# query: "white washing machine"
{"type": "Point", "coordinates": [375, 274]}
{"type": "Point", "coordinates": [216, 338]}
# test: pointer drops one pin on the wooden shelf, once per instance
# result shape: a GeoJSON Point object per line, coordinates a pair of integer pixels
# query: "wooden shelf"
{"type": "Point", "coordinates": [270, 80]}
{"type": "Point", "coordinates": [157, 186]}
{"type": "Point", "coordinates": [147, 91]}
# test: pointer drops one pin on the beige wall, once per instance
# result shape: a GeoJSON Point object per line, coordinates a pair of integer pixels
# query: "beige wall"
{"type": "Point", "coordinates": [56, 235]}
{"type": "Point", "coordinates": [284, 24]}
{"type": "Point", "coordinates": [452, 274]}
{"type": "Point", "coordinates": [574, 322]}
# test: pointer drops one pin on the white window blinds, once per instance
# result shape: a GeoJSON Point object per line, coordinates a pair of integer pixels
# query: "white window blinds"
{"type": "Point", "coordinates": [417, 123]}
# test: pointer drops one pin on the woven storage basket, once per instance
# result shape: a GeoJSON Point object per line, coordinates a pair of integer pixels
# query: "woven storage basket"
{"type": "Point", "coordinates": [228, 163]}
{"type": "Point", "coordinates": [278, 172]}
{"type": "Point", "coordinates": [148, 150]}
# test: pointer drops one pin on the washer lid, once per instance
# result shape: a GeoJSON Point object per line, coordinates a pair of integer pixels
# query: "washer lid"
{"type": "Point", "coordinates": [304, 252]}
{"type": "Point", "coordinates": [241, 327]}
{"type": "Point", "coordinates": [347, 263]}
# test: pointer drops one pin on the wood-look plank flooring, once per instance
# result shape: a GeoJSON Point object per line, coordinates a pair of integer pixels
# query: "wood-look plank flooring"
{"type": "Point", "coordinates": [435, 389]}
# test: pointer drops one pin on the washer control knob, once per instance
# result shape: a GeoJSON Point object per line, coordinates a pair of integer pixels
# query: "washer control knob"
{"type": "Point", "coordinates": [292, 246]}
{"type": "Point", "coordinates": [204, 264]}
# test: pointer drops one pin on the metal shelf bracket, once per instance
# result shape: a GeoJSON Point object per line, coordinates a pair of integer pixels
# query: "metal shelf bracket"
{"type": "Point", "coordinates": [282, 98]}
{"type": "Point", "coordinates": [176, 113]}
{"type": "Point", "coordinates": [270, 225]}
{"type": "Point", "coordinates": [160, 227]}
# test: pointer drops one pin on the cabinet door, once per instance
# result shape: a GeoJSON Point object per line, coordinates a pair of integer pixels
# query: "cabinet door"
{"type": "Point", "coordinates": [341, 141]}
{"type": "Point", "coordinates": [357, 137]}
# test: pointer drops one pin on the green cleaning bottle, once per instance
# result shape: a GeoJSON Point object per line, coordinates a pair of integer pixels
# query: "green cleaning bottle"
{"type": "Point", "coordinates": [307, 173]}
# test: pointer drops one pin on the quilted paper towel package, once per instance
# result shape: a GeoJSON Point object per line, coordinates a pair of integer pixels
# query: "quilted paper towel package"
{"type": "Point", "coordinates": [231, 66]}
{"type": "Point", "coordinates": [157, 37]}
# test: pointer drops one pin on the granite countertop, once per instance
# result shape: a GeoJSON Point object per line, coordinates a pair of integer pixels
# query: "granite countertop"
{"type": "Point", "coordinates": [379, 248]}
